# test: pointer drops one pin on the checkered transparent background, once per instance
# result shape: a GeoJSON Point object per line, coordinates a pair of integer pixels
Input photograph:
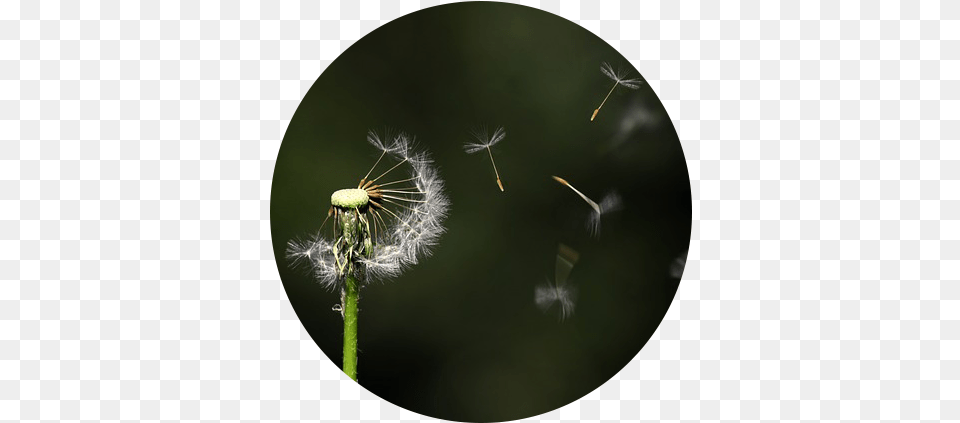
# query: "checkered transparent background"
{"type": "Point", "coordinates": [137, 143]}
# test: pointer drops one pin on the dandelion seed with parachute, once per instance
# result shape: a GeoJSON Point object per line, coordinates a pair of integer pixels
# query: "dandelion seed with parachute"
{"type": "Point", "coordinates": [610, 202]}
{"type": "Point", "coordinates": [484, 142]}
{"type": "Point", "coordinates": [384, 225]}
{"type": "Point", "coordinates": [620, 79]}
{"type": "Point", "coordinates": [559, 292]}
{"type": "Point", "coordinates": [547, 294]}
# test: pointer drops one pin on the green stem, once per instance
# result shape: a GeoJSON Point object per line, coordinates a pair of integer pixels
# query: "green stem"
{"type": "Point", "coordinates": [351, 298]}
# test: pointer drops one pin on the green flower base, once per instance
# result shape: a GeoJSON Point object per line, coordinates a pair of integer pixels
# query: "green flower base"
{"type": "Point", "coordinates": [351, 198]}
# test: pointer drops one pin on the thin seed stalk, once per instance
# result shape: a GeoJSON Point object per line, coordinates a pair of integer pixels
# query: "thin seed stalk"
{"type": "Point", "coordinates": [499, 184]}
{"type": "Point", "coordinates": [351, 299]}
{"type": "Point", "coordinates": [604, 101]}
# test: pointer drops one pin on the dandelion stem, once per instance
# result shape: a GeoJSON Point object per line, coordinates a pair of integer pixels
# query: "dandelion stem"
{"type": "Point", "coordinates": [604, 101]}
{"type": "Point", "coordinates": [500, 184]}
{"type": "Point", "coordinates": [351, 299]}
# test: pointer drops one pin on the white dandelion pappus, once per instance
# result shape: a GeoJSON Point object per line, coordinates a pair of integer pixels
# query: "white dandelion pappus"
{"type": "Point", "coordinates": [548, 294]}
{"type": "Point", "coordinates": [316, 255]}
{"type": "Point", "coordinates": [620, 79]}
{"type": "Point", "coordinates": [619, 76]}
{"type": "Point", "coordinates": [417, 208]}
{"type": "Point", "coordinates": [485, 142]}
{"type": "Point", "coordinates": [560, 293]}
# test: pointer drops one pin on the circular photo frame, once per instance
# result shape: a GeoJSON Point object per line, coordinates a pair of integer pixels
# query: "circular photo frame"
{"type": "Point", "coordinates": [481, 212]}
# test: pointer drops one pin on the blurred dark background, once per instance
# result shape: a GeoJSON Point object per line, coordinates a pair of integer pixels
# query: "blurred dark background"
{"type": "Point", "coordinates": [459, 336]}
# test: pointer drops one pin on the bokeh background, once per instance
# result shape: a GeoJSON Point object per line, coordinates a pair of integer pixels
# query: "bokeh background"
{"type": "Point", "coordinates": [459, 336]}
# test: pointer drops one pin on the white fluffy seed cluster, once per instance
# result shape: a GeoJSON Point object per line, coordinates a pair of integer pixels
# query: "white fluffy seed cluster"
{"type": "Point", "coordinates": [316, 254]}
{"type": "Point", "coordinates": [412, 228]}
{"type": "Point", "coordinates": [417, 227]}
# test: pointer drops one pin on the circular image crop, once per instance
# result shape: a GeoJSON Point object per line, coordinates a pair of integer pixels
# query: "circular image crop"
{"type": "Point", "coordinates": [481, 212]}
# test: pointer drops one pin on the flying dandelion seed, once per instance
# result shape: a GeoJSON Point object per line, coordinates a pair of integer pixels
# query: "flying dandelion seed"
{"type": "Point", "coordinates": [548, 294]}
{"type": "Point", "coordinates": [610, 202]}
{"type": "Point", "coordinates": [559, 292]}
{"type": "Point", "coordinates": [620, 79]}
{"type": "Point", "coordinates": [380, 228]}
{"type": "Point", "coordinates": [677, 266]}
{"type": "Point", "coordinates": [484, 142]}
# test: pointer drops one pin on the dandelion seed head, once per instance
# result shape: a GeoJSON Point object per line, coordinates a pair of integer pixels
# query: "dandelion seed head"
{"type": "Point", "coordinates": [620, 75]}
{"type": "Point", "coordinates": [416, 227]}
{"type": "Point", "coordinates": [350, 198]}
{"type": "Point", "coordinates": [394, 219]}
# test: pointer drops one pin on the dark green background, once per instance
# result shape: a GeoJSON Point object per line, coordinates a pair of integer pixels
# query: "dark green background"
{"type": "Point", "coordinates": [458, 336]}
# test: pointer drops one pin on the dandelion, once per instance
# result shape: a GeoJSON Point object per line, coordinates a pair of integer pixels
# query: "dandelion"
{"type": "Point", "coordinates": [610, 202]}
{"type": "Point", "coordinates": [677, 265]}
{"type": "Point", "coordinates": [379, 229]}
{"type": "Point", "coordinates": [559, 292]}
{"type": "Point", "coordinates": [620, 79]}
{"type": "Point", "coordinates": [484, 142]}
{"type": "Point", "coordinates": [548, 294]}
